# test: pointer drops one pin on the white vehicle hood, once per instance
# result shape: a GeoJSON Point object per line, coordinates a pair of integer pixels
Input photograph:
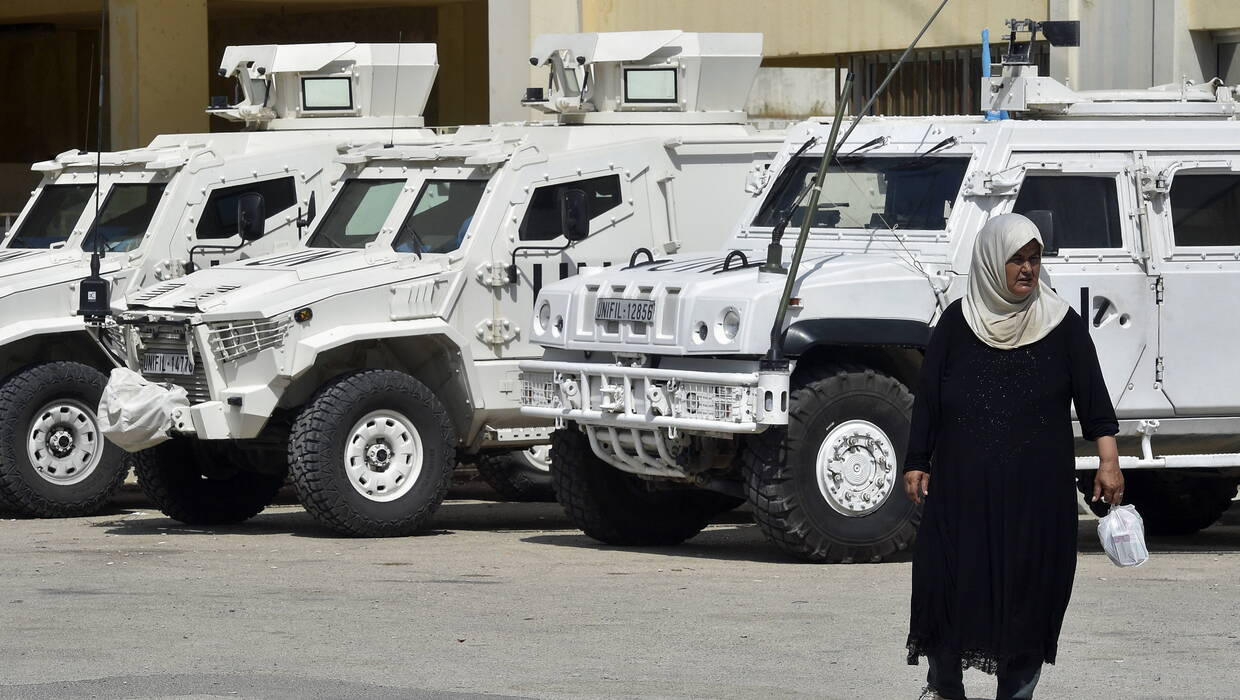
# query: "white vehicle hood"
{"type": "Point", "coordinates": [266, 286]}
{"type": "Point", "coordinates": [691, 290]}
{"type": "Point", "coordinates": [24, 270]}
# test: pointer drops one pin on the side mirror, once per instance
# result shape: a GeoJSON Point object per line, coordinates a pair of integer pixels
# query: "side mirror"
{"type": "Point", "coordinates": [251, 216]}
{"type": "Point", "coordinates": [575, 215]}
{"type": "Point", "coordinates": [1044, 219]}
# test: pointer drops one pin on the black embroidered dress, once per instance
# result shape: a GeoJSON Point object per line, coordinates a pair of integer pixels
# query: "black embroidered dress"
{"type": "Point", "coordinates": [996, 552]}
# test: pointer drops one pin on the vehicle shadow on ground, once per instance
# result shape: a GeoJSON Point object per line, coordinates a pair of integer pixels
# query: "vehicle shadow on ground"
{"type": "Point", "coordinates": [1222, 536]}
{"type": "Point", "coordinates": [733, 536]}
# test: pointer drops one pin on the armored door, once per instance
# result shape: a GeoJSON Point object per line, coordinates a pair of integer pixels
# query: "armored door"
{"type": "Point", "coordinates": [1196, 213]}
{"type": "Point", "coordinates": [539, 253]}
{"type": "Point", "coordinates": [1098, 266]}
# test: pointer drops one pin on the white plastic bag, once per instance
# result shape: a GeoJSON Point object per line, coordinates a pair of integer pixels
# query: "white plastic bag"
{"type": "Point", "coordinates": [135, 413]}
{"type": "Point", "coordinates": [1123, 536]}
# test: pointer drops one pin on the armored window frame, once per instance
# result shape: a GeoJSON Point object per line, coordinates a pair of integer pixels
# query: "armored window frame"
{"type": "Point", "coordinates": [1072, 183]}
{"type": "Point", "coordinates": [279, 195]}
{"type": "Point", "coordinates": [307, 106]}
{"type": "Point", "coordinates": [604, 194]}
{"type": "Point", "coordinates": [675, 98]}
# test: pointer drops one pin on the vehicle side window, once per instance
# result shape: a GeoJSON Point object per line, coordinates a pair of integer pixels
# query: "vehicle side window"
{"type": "Point", "coordinates": [1085, 208]}
{"type": "Point", "coordinates": [1205, 209]}
{"type": "Point", "coordinates": [542, 217]}
{"type": "Point", "coordinates": [219, 214]}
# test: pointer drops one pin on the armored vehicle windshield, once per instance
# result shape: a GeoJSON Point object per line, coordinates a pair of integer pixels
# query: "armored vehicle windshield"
{"type": "Point", "coordinates": [123, 220]}
{"type": "Point", "coordinates": [871, 192]}
{"type": "Point", "coordinates": [436, 222]}
{"type": "Point", "coordinates": [52, 217]}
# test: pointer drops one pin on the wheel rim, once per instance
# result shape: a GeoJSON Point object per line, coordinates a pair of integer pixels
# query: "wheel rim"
{"type": "Point", "coordinates": [539, 457]}
{"type": "Point", "coordinates": [63, 443]}
{"type": "Point", "coordinates": [856, 468]}
{"type": "Point", "coordinates": [383, 456]}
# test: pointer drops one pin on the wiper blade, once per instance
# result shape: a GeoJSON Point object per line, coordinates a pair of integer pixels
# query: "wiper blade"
{"type": "Point", "coordinates": [880, 141]}
{"type": "Point", "coordinates": [945, 143]}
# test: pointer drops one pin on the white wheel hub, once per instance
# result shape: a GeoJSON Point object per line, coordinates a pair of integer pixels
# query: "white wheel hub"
{"type": "Point", "coordinates": [856, 468]}
{"type": "Point", "coordinates": [539, 457]}
{"type": "Point", "coordinates": [383, 455]}
{"type": "Point", "coordinates": [64, 444]}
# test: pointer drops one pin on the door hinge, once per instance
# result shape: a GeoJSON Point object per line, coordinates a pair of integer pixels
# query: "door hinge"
{"type": "Point", "coordinates": [497, 331]}
{"type": "Point", "coordinates": [1158, 290]}
{"type": "Point", "coordinates": [1158, 369]}
{"type": "Point", "coordinates": [492, 274]}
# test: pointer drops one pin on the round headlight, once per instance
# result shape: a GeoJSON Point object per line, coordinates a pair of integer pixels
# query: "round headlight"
{"type": "Point", "coordinates": [544, 316]}
{"type": "Point", "coordinates": [729, 324]}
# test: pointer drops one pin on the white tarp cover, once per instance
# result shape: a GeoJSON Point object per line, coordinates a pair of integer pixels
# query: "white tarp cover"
{"type": "Point", "coordinates": [1122, 534]}
{"type": "Point", "coordinates": [135, 413]}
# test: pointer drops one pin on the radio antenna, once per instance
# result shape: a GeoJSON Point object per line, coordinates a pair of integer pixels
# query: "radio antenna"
{"type": "Point", "coordinates": [775, 356]}
{"type": "Point", "coordinates": [98, 253]}
{"type": "Point", "coordinates": [93, 291]}
{"type": "Point", "coordinates": [90, 75]}
{"type": "Point", "coordinates": [400, 39]}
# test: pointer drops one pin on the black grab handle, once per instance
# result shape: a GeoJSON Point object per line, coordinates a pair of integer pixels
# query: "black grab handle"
{"type": "Point", "coordinates": [639, 251]}
{"type": "Point", "coordinates": [727, 262]}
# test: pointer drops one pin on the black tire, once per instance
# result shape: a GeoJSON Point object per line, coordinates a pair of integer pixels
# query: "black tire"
{"type": "Point", "coordinates": [515, 476]}
{"type": "Point", "coordinates": [617, 508]}
{"type": "Point", "coordinates": [317, 454]}
{"type": "Point", "coordinates": [1170, 502]}
{"type": "Point", "coordinates": [781, 474]}
{"type": "Point", "coordinates": [57, 400]}
{"type": "Point", "coordinates": [199, 483]}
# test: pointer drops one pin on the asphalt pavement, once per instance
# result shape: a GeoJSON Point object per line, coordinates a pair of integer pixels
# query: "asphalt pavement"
{"type": "Point", "coordinates": [508, 600]}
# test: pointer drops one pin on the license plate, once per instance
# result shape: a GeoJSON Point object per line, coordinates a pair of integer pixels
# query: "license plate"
{"type": "Point", "coordinates": [167, 363]}
{"type": "Point", "coordinates": [638, 310]}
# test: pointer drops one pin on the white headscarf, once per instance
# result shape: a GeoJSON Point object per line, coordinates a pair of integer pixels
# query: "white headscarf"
{"type": "Point", "coordinates": [998, 317]}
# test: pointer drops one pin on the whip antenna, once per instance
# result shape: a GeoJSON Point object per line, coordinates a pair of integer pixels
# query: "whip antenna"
{"type": "Point", "coordinates": [400, 39]}
{"type": "Point", "coordinates": [93, 291]}
{"type": "Point", "coordinates": [776, 353]}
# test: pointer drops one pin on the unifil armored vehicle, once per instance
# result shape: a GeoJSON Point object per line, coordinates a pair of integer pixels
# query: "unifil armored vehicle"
{"type": "Point", "coordinates": [388, 344]}
{"type": "Point", "coordinates": [661, 377]}
{"type": "Point", "coordinates": [153, 214]}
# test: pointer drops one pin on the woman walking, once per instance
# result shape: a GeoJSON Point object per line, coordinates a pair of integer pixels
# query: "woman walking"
{"type": "Point", "coordinates": [996, 552]}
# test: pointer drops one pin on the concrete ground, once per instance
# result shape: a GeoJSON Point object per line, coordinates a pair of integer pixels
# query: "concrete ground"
{"type": "Point", "coordinates": [509, 600]}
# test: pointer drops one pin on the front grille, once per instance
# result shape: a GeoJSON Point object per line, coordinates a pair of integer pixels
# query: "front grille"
{"type": "Point", "coordinates": [661, 331]}
{"type": "Point", "coordinates": [173, 338]}
{"type": "Point", "coordinates": [709, 401]}
{"type": "Point", "coordinates": [232, 340]}
{"type": "Point", "coordinates": [538, 390]}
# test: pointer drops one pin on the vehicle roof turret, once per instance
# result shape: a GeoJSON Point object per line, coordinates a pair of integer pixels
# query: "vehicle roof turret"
{"type": "Point", "coordinates": [341, 85]}
{"type": "Point", "coordinates": [649, 77]}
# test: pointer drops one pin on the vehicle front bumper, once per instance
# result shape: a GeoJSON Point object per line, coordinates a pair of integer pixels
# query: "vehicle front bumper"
{"type": "Point", "coordinates": [621, 396]}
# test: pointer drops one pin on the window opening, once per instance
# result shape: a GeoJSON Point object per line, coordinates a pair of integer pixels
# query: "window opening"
{"type": "Point", "coordinates": [327, 93]}
{"type": "Point", "coordinates": [650, 85]}
{"type": "Point", "coordinates": [1085, 208]}
{"type": "Point", "coordinates": [542, 216]}
{"type": "Point", "coordinates": [880, 192]}
{"type": "Point", "coordinates": [125, 216]}
{"type": "Point", "coordinates": [219, 214]}
{"type": "Point", "coordinates": [1205, 209]}
{"type": "Point", "coordinates": [357, 214]}
{"type": "Point", "coordinates": [440, 216]}
{"type": "Point", "coordinates": [52, 217]}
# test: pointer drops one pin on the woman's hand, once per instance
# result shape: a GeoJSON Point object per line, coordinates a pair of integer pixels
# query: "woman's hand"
{"type": "Point", "coordinates": [1109, 481]}
{"type": "Point", "coordinates": [917, 485]}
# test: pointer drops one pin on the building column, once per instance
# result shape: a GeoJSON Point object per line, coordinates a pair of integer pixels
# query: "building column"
{"type": "Point", "coordinates": [157, 69]}
{"type": "Point", "coordinates": [462, 63]}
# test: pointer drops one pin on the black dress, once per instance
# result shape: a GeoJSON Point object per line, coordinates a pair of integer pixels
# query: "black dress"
{"type": "Point", "coordinates": [996, 552]}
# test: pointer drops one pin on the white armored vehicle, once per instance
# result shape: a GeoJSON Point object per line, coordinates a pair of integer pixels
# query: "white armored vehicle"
{"type": "Point", "coordinates": [681, 374]}
{"type": "Point", "coordinates": [389, 343]}
{"type": "Point", "coordinates": [154, 213]}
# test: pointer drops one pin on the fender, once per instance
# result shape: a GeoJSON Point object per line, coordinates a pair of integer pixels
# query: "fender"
{"type": "Point", "coordinates": [308, 348]}
{"type": "Point", "coordinates": [20, 330]}
{"type": "Point", "coordinates": [803, 335]}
